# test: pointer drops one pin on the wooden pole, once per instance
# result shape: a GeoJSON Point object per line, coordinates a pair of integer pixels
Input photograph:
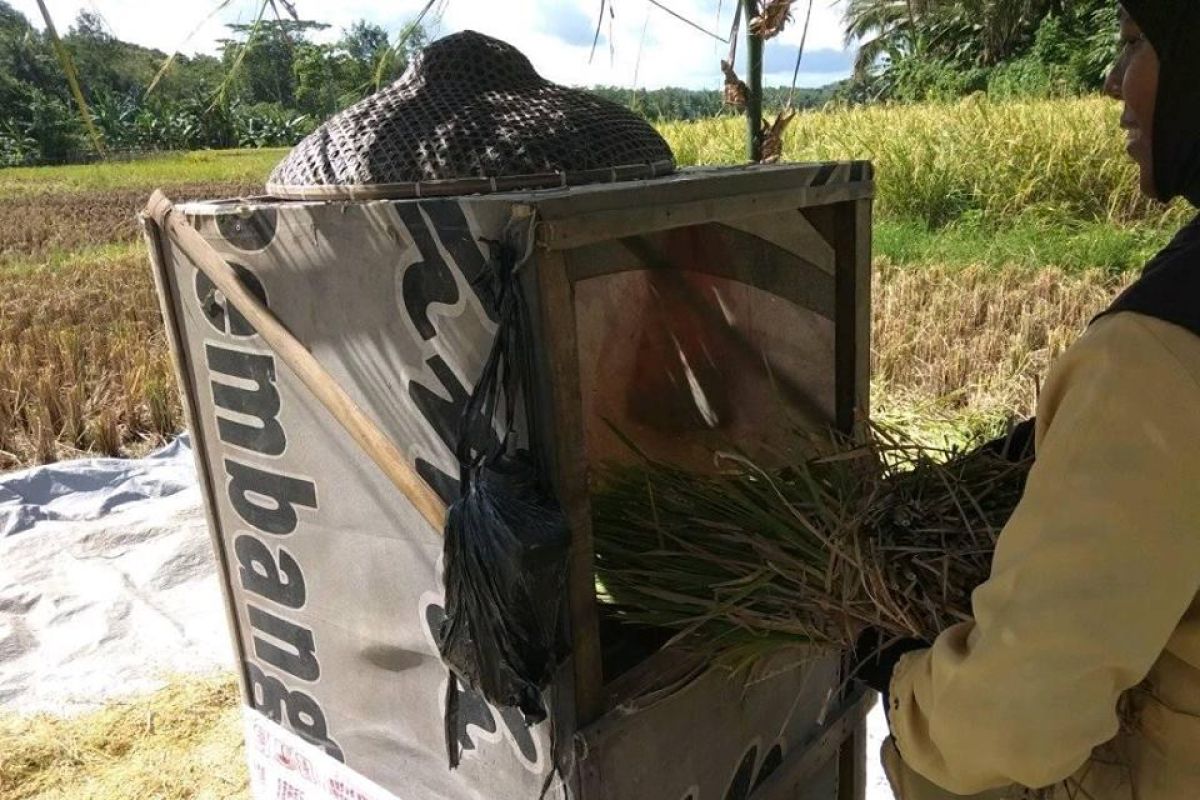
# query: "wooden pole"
{"type": "Point", "coordinates": [754, 79]}
{"type": "Point", "coordinates": [378, 447]}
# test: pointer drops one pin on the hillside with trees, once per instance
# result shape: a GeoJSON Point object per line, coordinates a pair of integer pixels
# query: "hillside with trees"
{"type": "Point", "coordinates": [269, 85]}
{"type": "Point", "coordinates": [271, 82]}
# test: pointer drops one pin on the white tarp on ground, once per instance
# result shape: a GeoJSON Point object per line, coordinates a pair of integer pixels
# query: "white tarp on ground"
{"type": "Point", "coordinates": [89, 489]}
{"type": "Point", "coordinates": [108, 586]}
{"type": "Point", "coordinates": [107, 581]}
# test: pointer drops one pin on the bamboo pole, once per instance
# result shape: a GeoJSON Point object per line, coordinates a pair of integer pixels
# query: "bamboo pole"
{"type": "Point", "coordinates": [68, 68]}
{"type": "Point", "coordinates": [376, 444]}
{"type": "Point", "coordinates": [754, 79]}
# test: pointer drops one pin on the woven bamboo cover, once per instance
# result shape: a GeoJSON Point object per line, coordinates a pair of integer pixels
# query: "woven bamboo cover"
{"type": "Point", "coordinates": [470, 115]}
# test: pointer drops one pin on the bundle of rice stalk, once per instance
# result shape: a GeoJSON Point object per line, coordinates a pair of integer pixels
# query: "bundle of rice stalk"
{"type": "Point", "coordinates": [886, 534]}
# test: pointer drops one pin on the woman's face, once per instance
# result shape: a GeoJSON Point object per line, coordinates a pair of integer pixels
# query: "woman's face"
{"type": "Point", "coordinates": [1134, 80]}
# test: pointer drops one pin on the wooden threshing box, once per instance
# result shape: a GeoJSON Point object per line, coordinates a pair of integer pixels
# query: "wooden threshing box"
{"type": "Point", "coordinates": [712, 306]}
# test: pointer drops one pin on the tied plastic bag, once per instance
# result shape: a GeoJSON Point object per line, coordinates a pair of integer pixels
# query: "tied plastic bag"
{"type": "Point", "coordinates": [506, 537]}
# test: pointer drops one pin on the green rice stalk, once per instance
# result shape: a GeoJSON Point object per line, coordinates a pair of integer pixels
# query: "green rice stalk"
{"type": "Point", "coordinates": [885, 534]}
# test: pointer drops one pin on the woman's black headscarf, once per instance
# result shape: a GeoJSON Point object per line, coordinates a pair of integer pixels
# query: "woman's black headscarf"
{"type": "Point", "coordinates": [1173, 28]}
{"type": "Point", "coordinates": [1169, 288]}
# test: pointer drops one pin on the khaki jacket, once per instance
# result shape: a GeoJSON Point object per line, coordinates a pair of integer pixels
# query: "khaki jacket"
{"type": "Point", "coordinates": [1092, 600]}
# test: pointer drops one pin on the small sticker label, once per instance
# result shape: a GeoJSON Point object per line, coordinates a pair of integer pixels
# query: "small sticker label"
{"type": "Point", "coordinates": [285, 767]}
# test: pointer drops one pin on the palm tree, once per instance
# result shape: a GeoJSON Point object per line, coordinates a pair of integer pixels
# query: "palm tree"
{"type": "Point", "coordinates": [983, 31]}
{"type": "Point", "coordinates": [880, 27]}
{"type": "Point", "coordinates": [1004, 24]}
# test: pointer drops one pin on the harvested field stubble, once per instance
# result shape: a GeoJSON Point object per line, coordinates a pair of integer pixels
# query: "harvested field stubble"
{"type": "Point", "coordinates": [41, 224]}
{"type": "Point", "coordinates": [84, 365]}
{"type": "Point", "coordinates": [974, 342]}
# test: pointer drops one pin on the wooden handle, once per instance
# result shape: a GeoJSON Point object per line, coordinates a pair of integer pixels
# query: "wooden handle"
{"type": "Point", "coordinates": [361, 428]}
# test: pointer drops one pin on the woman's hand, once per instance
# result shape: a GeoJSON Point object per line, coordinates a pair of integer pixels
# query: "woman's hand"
{"type": "Point", "coordinates": [1017, 445]}
{"type": "Point", "coordinates": [875, 657]}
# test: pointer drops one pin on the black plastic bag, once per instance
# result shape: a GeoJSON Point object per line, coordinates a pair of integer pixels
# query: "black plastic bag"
{"type": "Point", "coordinates": [506, 537]}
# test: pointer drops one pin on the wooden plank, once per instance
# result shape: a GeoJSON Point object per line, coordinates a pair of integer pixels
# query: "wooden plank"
{"type": "Point", "coordinates": [665, 671]}
{"type": "Point", "coordinates": [791, 277]}
{"type": "Point", "coordinates": [785, 275]}
{"type": "Point", "coordinates": [793, 232]}
{"type": "Point", "coordinates": [160, 263]}
{"type": "Point", "coordinates": [697, 183]}
{"type": "Point", "coordinates": [821, 219]}
{"type": "Point", "coordinates": [852, 764]}
{"type": "Point", "coordinates": [562, 431]}
{"type": "Point", "coordinates": [586, 228]}
{"type": "Point", "coordinates": [818, 751]}
{"type": "Point", "coordinates": [850, 226]}
{"type": "Point", "coordinates": [863, 273]}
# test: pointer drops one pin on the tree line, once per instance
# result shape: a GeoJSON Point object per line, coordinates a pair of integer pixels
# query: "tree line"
{"type": "Point", "coordinates": [915, 50]}
{"type": "Point", "coordinates": [669, 104]}
{"type": "Point", "coordinates": [269, 85]}
{"type": "Point", "coordinates": [271, 82]}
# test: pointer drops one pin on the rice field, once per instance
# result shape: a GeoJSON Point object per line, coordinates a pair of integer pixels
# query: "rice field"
{"type": "Point", "coordinates": [1001, 229]}
{"type": "Point", "coordinates": [84, 367]}
{"type": "Point", "coordinates": [959, 349]}
{"type": "Point", "coordinates": [1063, 160]}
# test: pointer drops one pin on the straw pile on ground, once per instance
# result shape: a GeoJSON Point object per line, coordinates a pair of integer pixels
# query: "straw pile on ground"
{"type": "Point", "coordinates": [181, 743]}
{"type": "Point", "coordinates": [886, 534]}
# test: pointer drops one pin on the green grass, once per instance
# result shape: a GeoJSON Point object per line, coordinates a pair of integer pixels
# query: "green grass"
{"type": "Point", "coordinates": [204, 166]}
{"type": "Point", "coordinates": [1026, 243]}
{"type": "Point", "coordinates": [96, 255]}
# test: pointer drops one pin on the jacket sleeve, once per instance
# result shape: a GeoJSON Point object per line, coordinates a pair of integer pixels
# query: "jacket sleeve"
{"type": "Point", "coordinates": [1090, 577]}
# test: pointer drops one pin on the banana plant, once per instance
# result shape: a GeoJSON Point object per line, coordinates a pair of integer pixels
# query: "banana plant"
{"type": "Point", "coordinates": [67, 64]}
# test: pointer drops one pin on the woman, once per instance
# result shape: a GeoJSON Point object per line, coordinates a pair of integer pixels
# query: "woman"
{"type": "Point", "coordinates": [1081, 670]}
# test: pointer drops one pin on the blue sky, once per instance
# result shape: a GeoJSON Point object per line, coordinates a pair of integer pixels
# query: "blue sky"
{"type": "Point", "coordinates": [555, 34]}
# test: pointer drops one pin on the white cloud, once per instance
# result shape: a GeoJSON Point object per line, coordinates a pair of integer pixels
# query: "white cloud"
{"type": "Point", "coordinates": [550, 32]}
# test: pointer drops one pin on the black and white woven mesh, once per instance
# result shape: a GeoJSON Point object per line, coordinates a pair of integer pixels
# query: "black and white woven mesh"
{"type": "Point", "coordinates": [470, 115]}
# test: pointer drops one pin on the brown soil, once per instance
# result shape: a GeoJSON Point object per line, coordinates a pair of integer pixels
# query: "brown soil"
{"type": "Point", "coordinates": [36, 225]}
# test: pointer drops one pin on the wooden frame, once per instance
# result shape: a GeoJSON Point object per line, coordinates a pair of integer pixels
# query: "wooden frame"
{"type": "Point", "coordinates": [160, 260]}
{"type": "Point", "coordinates": [841, 214]}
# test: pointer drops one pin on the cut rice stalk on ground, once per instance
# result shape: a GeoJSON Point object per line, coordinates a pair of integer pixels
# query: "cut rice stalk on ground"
{"type": "Point", "coordinates": [182, 743]}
